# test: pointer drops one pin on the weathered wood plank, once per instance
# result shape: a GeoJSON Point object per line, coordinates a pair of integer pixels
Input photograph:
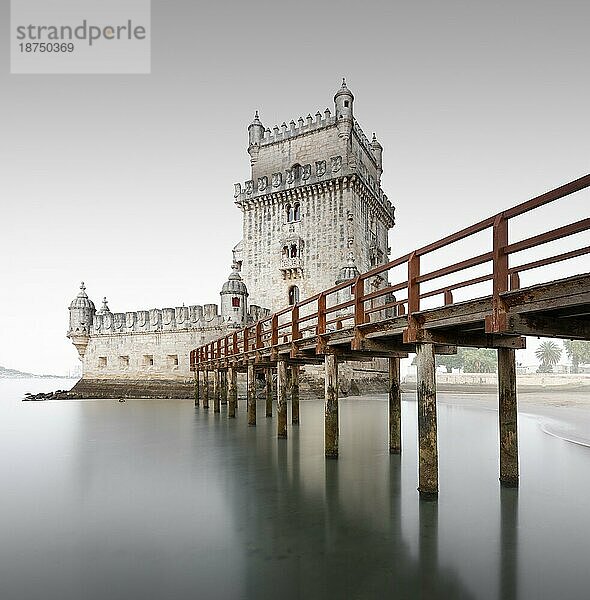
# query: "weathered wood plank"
{"type": "Point", "coordinates": [540, 325]}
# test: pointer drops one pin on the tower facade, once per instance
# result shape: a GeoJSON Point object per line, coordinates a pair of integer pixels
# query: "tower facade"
{"type": "Point", "coordinates": [312, 206]}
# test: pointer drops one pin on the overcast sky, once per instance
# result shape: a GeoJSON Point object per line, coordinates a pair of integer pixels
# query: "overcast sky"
{"type": "Point", "coordinates": [126, 181]}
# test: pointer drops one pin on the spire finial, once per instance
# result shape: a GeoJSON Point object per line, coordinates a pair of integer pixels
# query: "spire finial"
{"type": "Point", "coordinates": [374, 137]}
{"type": "Point", "coordinates": [82, 292]}
{"type": "Point", "coordinates": [344, 82]}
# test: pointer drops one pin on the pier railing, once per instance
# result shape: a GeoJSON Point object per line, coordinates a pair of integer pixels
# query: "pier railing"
{"type": "Point", "coordinates": [396, 288]}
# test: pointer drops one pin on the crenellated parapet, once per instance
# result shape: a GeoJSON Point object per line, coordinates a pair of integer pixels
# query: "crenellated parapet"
{"type": "Point", "coordinates": [181, 318]}
{"type": "Point", "coordinates": [302, 126]}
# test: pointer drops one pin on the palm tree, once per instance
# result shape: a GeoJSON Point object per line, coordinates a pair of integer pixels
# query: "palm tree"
{"type": "Point", "coordinates": [578, 352]}
{"type": "Point", "coordinates": [549, 354]}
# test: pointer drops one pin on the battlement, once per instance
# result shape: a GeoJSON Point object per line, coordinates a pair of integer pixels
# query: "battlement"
{"type": "Point", "coordinates": [301, 127]}
{"type": "Point", "coordinates": [181, 318]}
{"type": "Point", "coordinates": [364, 141]}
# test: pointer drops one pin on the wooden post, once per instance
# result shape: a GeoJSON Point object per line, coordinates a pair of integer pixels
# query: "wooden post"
{"type": "Point", "coordinates": [251, 395]}
{"type": "Point", "coordinates": [268, 390]}
{"type": "Point", "coordinates": [197, 402]}
{"type": "Point", "coordinates": [281, 399]}
{"type": "Point", "coordinates": [331, 407]}
{"type": "Point", "coordinates": [216, 390]}
{"type": "Point", "coordinates": [395, 408]}
{"type": "Point", "coordinates": [295, 394]}
{"type": "Point", "coordinates": [508, 415]}
{"type": "Point", "coordinates": [232, 392]}
{"type": "Point", "coordinates": [427, 437]}
{"type": "Point", "coordinates": [206, 389]}
{"type": "Point", "coordinates": [496, 322]}
{"type": "Point", "coordinates": [224, 385]}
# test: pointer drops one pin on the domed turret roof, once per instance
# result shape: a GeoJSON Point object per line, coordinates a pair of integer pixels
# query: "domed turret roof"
{"type": "Point", "coordinates": [349, 271]}
{"type": "Point", "coordinates": [82, 300]}
{"type": "Point", "coordinates": [344, 91]}
{"type": "Point", "coordinates": [234, 284]}
{"type": "Point", "coordinates": [104, 308]}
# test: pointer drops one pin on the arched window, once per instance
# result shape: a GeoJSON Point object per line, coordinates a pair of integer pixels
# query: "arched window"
{"type": "Point", "coordinates": [235, 302]}
{"type": "Point", "coordinates": [285, 251]}
{"type": "Point", "coordinates": [294, 251]}
{"type": "Point", "coordinates": [293, 295]}
{"type": "Point", "coordinates": [290, 213]}
{"type": "Point", "coordinates": [297, 212]}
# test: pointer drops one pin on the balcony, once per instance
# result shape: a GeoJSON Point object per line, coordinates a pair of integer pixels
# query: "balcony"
{"type": "Point", "coordinates": [292, 268]}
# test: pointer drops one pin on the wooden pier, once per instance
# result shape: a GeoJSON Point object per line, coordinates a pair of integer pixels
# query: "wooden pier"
{"type": "Point", "coordinates": [382, 313]}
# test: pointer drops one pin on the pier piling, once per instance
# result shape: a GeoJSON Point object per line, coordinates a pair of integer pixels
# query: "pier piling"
{"type": "Point", "coordinates": [232, 392]}
{"type": "Point", "coordinates": [223, 375]}
{"type": "Point", "coordinates": [508, 417]}
{"type": "Point", "coordinates": [281, 399]}
{"type": "Point", "coordinates": [251, 395]}
{"type": "Point", "coordinates": [331, 407]}
{"type": "Point", "coordinates": [197, 388]}
{"type": "Point", "coordinates": [206, 389]}
{"type": "Point", "coordinates": [268, 390]}
{"type": "Point", "coordinates": [395, 408]}
{"type": "Point", "coordinates": [216, 391]}
{"type": "Point", "coordinates": [427, 426]}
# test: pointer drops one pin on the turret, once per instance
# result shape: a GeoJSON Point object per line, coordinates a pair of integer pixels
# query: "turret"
{"type": "Point", "coordinates": [348, 272]}
{"type": "Point", "coordinates": [82, 312]}
{"type": "Point", "coordinates": [255, 136]}
{"type": "Point", "coordinates": [377, 149]}
{"type": "Point", "coordinates": [104, 308]}
{"type": "Point", "coordinates": [343, 101]}
{"type": "Point", "coordinates": [234, 300]}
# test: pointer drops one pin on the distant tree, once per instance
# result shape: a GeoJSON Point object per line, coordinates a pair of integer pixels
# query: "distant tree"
{"type": "Point", "coordinates": [578, 352]}
{"type": "Point", "coordinates": [480, 360]}
{"type": "Point", "coordinates": [451, 361]}
{"type": "Point", "coordinates": [470, 360]}
{"type": "Point", "coordinates": [549, 354]}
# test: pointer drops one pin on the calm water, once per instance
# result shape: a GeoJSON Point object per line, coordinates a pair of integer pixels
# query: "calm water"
{"type": "Point", "coordinates": [157, 499]}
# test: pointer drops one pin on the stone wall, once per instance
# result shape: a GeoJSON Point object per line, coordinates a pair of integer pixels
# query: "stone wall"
{"type": "Point", "coordinates": [157, 355]}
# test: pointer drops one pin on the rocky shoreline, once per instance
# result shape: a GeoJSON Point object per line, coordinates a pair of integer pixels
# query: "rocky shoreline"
{"type": "Point", "coordinates": [57, 395]}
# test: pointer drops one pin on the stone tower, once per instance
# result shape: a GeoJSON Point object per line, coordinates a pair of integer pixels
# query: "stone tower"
{"type": "Point", "coordinates": [313, 205]}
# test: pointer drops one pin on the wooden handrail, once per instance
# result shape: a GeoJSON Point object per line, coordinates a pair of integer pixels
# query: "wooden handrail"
{"type": "Point", "coordinates": [287, 322]}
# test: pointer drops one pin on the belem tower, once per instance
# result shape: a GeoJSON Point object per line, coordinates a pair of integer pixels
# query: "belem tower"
{"type": "Point", "coordinates": [314, 214]}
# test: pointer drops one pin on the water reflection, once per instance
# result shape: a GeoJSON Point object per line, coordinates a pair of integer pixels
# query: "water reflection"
{"type": "Point", "coordinates": [508, 543]}
{"type": "Point", "coordinates": [158, 499]}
